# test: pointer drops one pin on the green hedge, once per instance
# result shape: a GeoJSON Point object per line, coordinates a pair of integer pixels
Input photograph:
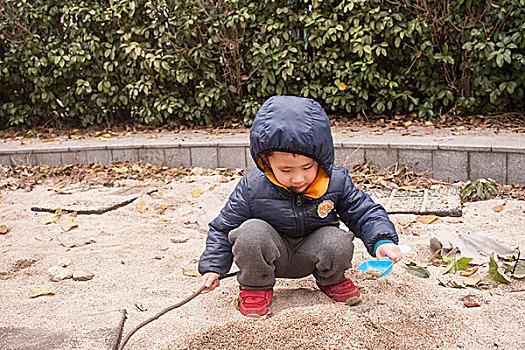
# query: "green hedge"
{"type": "Point", "coordinates": [175, 62]}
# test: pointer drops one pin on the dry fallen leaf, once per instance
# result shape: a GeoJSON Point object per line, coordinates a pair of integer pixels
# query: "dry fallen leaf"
{"type": "Point", "coordinates": [67, 224]}
{"type": "Point", "coordinates": [197, 193]}
{"type": "Point", "coordinates": [3, 229]}
{"type": "Point", "coordinates": [426, 219]}
{"type": "Point", "coordinates": [65, 262]}
{"type": "Point", "coordinates": [190, 273]}
{"type": "Point", "coordinates": [40, 292]}
{"type": "Point", "coordinates": [160, 209]}
{"type": "Point", "coordinates": [472, 280]}
{"type": "Point", "coordinates": [406, 188]}
{"type": "Point", "coordinates": [213, 187]}
{"type": "Point", "coordinates": [469, 301]}
{"type": "Point", "coordinates": [499, 208]}
{"type": "Point", "coordinates": [405, 222]}
{"type": "Point", "coordinates": [237, 303]}
{"type": "Point", "coordinates": [142, 206]}
{"type": "Point", "coordinates": [179, 240]}
{"type": "Point", "coordinates": [469, 272]}
{"type": "Point", "coordinates": [51, 218]}
{"type": "Point", "coordinates": [191, 179]}
{"type": "Point", "coordinates": [102, 233]}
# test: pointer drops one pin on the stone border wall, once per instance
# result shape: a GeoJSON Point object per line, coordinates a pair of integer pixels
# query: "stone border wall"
{"type": "Point", "coordinates": [444, 161]}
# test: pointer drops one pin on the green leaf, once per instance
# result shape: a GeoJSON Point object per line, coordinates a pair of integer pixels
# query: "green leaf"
{"type": "Point", "coordinates": [517, 267]}
{"type": "Point", "coordinates": [454, 266]}
{"type": "Point", "coordinates": [494, 275]}
{"type": "Point", "coordinates": [418, 271]}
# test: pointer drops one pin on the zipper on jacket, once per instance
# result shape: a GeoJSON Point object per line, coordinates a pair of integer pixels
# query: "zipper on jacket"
{"type": "Point", "coordinates": [300, 214]}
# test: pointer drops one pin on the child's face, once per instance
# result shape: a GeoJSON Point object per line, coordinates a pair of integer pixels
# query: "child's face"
{"type": "Point", "coordinates": [294, 171]}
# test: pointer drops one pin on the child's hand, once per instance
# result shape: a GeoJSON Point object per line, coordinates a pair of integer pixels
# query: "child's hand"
{"type": "Point", "coordinates": [210, 280]}
{"type": "Point", "coordinates": [390, 250]}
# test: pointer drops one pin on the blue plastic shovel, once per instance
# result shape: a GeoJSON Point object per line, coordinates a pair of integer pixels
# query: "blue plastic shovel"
{"type": "Point", "coordinates": [384, 265]}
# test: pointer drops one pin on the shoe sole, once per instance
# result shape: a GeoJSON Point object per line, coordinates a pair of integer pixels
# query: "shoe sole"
{"type": "Point", "coordinates": [353, 301]}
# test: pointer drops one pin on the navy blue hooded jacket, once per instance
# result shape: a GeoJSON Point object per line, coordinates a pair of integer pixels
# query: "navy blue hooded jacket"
{"type": "Point", "coordinates": [294, 125]}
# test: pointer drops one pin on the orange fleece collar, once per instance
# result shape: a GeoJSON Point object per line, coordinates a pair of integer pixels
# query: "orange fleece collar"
{"type": "Point", "coordinates": [316, 189]}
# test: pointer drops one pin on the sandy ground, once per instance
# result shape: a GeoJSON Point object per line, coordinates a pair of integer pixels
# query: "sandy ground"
{"type": "Point", "coordinates": [138, 267]}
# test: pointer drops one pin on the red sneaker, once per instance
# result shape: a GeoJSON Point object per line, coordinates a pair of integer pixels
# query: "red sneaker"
{"type": "Point", "coordinates": [255, 303]}
{"type": "Point", "coordinates": [342, 292]}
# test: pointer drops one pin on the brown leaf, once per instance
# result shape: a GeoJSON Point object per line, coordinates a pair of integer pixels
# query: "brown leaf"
{"type": "Point", "coordinates": [142, 206]}
{"type": "Point", "coordinates": [102, 233]}
{"type": "Point", "coordinates": [499, 208]}
{"type": "Point", "coordinates": [469, 301]}
{"type": "Point", "coordinates": [426, 219]}
{"type": "Point", "coordinates": [40, 292]}
{"type": "Point", "coordinates": [213, 187]}
{"type": "Point", "coordinates": [3, 229]}
{"type": "Point", "coordinates": [190, 273]}
{"type": "Point", "coordinates": [237, 303]}
{"type": "Point", "coordinates": [160, 209]}
{"type": "Point", "coordinates": [469, 272]}
{"type": "Point", "coordinates": [179, 240]}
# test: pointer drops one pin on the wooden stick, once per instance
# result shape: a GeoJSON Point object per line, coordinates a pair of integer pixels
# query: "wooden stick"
{"type": "Point", "coordinates": [91, 211]}
{"type": "Point", "coordinates": [169, 308]}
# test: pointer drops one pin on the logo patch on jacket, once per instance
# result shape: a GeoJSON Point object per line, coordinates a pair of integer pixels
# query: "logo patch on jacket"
{"type": "Point", "coordinates": [324, 208]}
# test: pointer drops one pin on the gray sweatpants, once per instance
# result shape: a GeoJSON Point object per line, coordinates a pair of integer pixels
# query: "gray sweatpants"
{"type": "Point", "coordinates": [262, 254]}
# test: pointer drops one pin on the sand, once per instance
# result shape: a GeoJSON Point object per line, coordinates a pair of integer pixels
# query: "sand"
{"type": "Point", "coordinates": [138, 267]}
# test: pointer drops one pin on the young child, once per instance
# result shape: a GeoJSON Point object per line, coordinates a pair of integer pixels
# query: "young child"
{"type": "Point", "coordinates": [282, 219]}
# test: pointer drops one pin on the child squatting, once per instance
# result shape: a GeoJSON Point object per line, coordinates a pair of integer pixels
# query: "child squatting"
{"type": "Point", "coordinates": [282, 219]}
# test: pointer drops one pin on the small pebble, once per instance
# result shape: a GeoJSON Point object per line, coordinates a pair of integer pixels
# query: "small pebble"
{"type": "Point", "coordinates": [82, 275]}
{"type": "Point", "coordinates": [59, 273]}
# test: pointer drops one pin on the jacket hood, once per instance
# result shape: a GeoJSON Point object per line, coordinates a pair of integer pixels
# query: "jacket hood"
{"type": "Point", "coordinates": [295, 125]}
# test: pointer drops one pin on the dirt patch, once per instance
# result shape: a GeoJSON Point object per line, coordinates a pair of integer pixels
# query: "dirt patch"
{"type": "Point", "coordinates": [392, 316]}
{"type": "Point", "coordinates": [137, 260]}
